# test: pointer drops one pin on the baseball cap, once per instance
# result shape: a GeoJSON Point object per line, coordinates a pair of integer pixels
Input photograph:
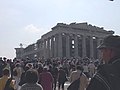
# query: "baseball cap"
{"type": "Point", "coordinates": [111, 41]}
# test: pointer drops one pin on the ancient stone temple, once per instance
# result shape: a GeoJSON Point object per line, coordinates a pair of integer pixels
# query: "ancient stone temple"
{"type": "Point", "coordinates": [68, 40]}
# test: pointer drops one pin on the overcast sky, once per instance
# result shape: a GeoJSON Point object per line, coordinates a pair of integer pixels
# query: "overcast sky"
{"type": "Point", "coordinates": [24, 21]}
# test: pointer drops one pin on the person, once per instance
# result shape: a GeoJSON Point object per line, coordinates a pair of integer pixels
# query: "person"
{"type": "Point", "coordinates": [91, 68]}
{"type": "Point", "coordinates": [17, 71]}
{"type": "Point", "coordinates": [31, 81]}
{"type": "Point", "coordinates": [2, 66]}
{"type": "Point", "coordinates": [55, 76]}
{"type": "Point", "coordinates": [83, 78]}
{"type": "Point", "coordinates": [86, 70]}
{"type": "Point", "coordinates": [23, 78]}
{"type": "Point", "coordinates": [4, 79]}
{"type": "Point", "coordinates": [46, 79]}
{"type": "Point", "coordinates": [108, 74]}
{"type": "Point", "coordinates": [61, 78]}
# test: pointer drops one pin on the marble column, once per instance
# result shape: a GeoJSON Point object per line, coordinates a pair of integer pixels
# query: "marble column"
{"type": "Point", "coordinates": [52, 46]}
{"type": "Point", "coordinates": [41, 48]}
{"type": "Point", "coordinates": [44, 48]}
{"type": "Point", "coordinates": [55, 46]}
{"type": "Point", "coordinates": [76, 45]}
{"type": "Point", "coordinates": [60, 51]}
{"type": "Point", "coordinates": [67, 46]}
{"type": "Point", "coordinates": [83, 46]}
{"type": "Point", "coordinates": [91, 47]}
{"type": "Point", "coordinates": [98, 43]}
{"type": "Point", "coordinates": [48, 48]}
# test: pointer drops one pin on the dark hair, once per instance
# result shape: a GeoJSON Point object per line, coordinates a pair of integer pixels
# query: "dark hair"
{"type": "Point", "coordinates": [17, 65]}
{"type": "Point", "coordinates": [31, 76]}
{"type": "Point", "coordinates": [79, 68]}
{"type": "Point", "coordinates": [5, 72]}
{"type": "Point", "coordinates": [26, 68]}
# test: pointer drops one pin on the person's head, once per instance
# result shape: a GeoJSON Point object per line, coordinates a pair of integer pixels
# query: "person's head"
{"type": "Point", "coordinates": [17, 65]}
{"type": "Point", "coordinates": [31, 76]}
{"type": "Point", "coordinates": [110, 47]}
{"type": "Point", "coordinates": [79, 67]}
{"type": "Point", "coordinates": [61, 67]}
{"type": "Point", "coordinates": [30, 65]}
{"type": "Point", "coordinates": [45, 69]}
{"type": "Point", "coordinates": [26, 68]}
{"type": "Point", "coordinates": [6, 72]}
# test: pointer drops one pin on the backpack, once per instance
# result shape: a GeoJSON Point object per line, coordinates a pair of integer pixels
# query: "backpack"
{"type": "Point", "coordinates": [75, 85]}
{"type": "Point", "coordinates": [8, 86]}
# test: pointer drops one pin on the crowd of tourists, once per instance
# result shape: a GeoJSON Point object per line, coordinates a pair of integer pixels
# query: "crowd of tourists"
{"type": "Point", "coordinates": [45, 74]}
{"type": "Point", "coordinates": [51, 74]}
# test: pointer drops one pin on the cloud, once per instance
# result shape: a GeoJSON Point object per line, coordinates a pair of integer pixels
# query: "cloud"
{"type": "Point", "coordinates": [32, 29]}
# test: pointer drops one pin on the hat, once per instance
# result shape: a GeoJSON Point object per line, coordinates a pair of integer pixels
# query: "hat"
{"type": "Point", "coordinates": [110, 42]}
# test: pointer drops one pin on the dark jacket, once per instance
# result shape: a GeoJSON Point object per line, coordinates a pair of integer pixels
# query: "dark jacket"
{"type": "Point", "coordinates": [62, 76]}
{"type": "Point", "coordinates": [107, 77]}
